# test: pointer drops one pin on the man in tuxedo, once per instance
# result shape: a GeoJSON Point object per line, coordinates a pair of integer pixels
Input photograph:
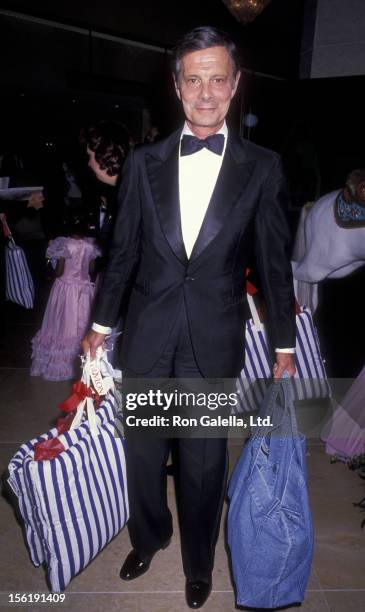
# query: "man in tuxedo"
{"type": "Point", "coordinates": [194, 209]}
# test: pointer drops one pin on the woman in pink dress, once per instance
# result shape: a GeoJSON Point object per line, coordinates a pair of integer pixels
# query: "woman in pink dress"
{"type": "Point", "coordinates": [56, 346]}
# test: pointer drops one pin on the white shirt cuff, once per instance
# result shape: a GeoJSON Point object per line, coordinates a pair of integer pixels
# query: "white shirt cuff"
{"type": "Point", "coordinates": [285, 350]}
{"type": "Point", "coordinates": [101, 329]}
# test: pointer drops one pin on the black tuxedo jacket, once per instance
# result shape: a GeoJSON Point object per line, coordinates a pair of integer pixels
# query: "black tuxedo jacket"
{"type": "Point", "coordinates": [245, 220]}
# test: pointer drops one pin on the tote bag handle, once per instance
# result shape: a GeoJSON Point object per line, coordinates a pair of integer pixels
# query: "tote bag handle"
{"type": "Point", "coordinates": [288, 415]}
{"type": "Point", "coordinates": [87, 403]}
{"type": "Point", "coordinates": [97, 372]}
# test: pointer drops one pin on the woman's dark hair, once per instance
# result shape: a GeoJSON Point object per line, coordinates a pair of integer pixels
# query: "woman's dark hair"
{"type": "Point", "coordinates": [203, 38]}
{"type": "Point", "coordinates": [110, 142]}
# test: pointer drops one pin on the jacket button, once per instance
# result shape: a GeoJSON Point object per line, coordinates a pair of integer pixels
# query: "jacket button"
{"type": "Point", "coordinates": [189, 278]}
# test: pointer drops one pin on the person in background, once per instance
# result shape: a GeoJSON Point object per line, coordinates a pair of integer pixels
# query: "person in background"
{"type": "Point", "coordinates": [57, 344]}
{"type": "Point", "coordinates": [15, 210]}
{"type": "Point", "coordinates": [28, 229]}
{"type": "Point", "coordinates": [73, 193]}
{"type": "Point", "coordinates": [30, 164]}
{"type": "Point", "coordinates": [107, 144]}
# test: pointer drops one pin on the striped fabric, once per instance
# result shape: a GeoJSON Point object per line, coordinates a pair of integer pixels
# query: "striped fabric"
{"type": "Point", "coordinates": [19, 282]}
{"type": "Point", "coordinates": [310, 378]}
{"type": "Point", "coordinates": [73, 505]}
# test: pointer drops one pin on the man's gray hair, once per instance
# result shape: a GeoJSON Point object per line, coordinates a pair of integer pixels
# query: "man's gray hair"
{"type": "Point", "coordinates": [203, 38]}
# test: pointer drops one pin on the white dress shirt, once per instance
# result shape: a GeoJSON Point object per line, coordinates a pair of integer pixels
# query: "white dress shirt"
{"type": "Point", "coordinates": [198, 174]}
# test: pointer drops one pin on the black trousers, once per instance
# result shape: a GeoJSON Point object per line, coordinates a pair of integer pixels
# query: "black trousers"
{"type": "Point", "coordinates": [201, 474]}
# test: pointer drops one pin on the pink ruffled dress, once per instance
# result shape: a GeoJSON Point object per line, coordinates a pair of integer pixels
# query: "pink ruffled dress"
{"type": "Point", "coordinates": [56, 346]}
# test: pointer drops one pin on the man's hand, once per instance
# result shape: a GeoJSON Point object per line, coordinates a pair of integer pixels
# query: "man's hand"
{"type": "Point", "coordinates": [91, 342]}
{"type": "Point", "coordinates": [284, 362]}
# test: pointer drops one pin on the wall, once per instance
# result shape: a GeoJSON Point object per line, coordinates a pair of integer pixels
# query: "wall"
{"type": "Point", "coordinates": [333, 41]}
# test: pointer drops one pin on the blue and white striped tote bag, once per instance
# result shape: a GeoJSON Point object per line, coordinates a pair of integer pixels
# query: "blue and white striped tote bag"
{"type": "Point", "coordinates": [75, 504]}
{"type": "Point", "coordinates": [19, 282]}
{"type": "Point", "coordinates": [310, 381]}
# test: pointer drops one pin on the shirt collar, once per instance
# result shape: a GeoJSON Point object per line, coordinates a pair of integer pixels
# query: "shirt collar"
{"type": "Point", "coordinates": [223, 130]}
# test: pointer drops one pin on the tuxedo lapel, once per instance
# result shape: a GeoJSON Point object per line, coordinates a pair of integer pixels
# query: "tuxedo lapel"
{"type": "Point", "coordinates": [232, 180]}
{"type": "Point", "coordinates": [163, 174]}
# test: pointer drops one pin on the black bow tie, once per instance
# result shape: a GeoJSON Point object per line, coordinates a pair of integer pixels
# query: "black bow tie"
{"type": "Point", "coordinates": [192, 144]}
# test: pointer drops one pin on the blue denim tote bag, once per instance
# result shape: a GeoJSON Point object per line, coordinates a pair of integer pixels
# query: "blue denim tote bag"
{"type": "Point", "coordinates": [270, 530]}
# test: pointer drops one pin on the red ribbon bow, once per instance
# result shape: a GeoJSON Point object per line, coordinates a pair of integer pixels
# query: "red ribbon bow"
{"type": "Point", "coordinates": [63, 424]}
{"type": "Point", "coordinates": [48, 449]}
{"type": "Point", "coordinates": [79, 392]}
{"type": "Point", "coordinates": [252, 290]}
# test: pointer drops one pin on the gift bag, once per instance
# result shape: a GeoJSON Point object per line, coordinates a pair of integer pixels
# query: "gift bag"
{"type": "Point", "coordinates": [71, 486]}
{"type": "Point", "coordinates": [270, 530]}
{"type": "Point", "coordinates": [310, 381]}
{"type": "Point", "coordinates": [19, 286]}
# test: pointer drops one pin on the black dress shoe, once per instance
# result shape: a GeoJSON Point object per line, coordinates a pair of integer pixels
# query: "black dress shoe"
{"type": "Point", "coordinates": [134, 566]}
{"type": "Point", "coordinates": [197, 593]}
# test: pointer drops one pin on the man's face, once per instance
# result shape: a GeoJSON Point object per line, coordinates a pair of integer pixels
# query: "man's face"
{"type": "Point", "coordinates": [36, 200]}
{"type": "Point", "coordinates": [206, 86]}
